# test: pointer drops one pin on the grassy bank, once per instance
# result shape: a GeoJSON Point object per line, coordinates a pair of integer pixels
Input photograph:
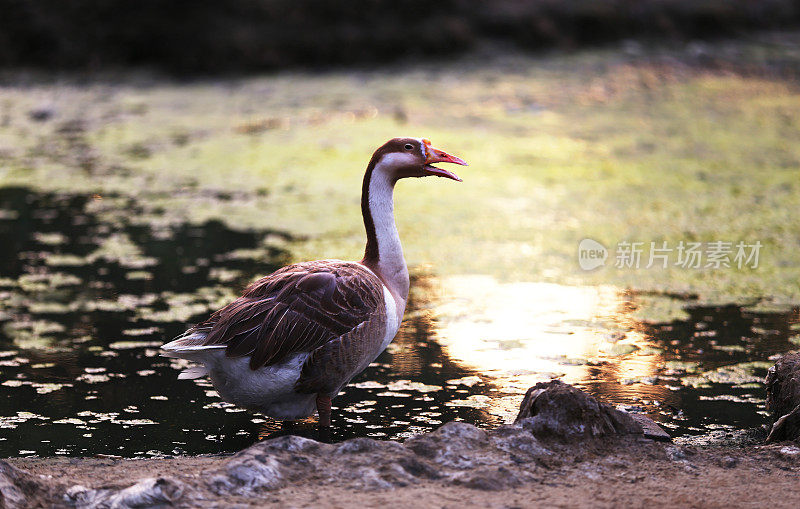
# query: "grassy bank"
{"type": "Point", "coordinates": [697, 143]}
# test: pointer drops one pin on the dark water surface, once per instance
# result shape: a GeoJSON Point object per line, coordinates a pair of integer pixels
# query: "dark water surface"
{"type": "Point", "coordinates": [90, 286]}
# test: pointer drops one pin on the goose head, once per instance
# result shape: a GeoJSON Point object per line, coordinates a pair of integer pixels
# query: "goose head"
{"type": "Point", "coordinates": [413, 157]}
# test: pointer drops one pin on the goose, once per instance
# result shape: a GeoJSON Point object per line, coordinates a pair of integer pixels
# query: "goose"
{"type": "Point", "coordinates": [296, 337]}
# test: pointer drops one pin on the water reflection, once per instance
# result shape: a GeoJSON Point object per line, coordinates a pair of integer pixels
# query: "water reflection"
{"type": "Point", "coordinates": [91, 286]}
{"type": "Point", "coordinates": [692, 368]}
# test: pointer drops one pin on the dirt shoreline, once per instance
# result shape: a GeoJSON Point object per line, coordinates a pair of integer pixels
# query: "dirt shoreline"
{"type": "Point", "coordinates": [458, 465]}
{"type": "Point", "coordinates": [566, 449]}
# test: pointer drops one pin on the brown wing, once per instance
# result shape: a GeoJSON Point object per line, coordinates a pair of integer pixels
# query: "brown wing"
{"type": "Point", "coordinates": [298, 308]}
{"type": "Point", "coordinates": [335, 363]}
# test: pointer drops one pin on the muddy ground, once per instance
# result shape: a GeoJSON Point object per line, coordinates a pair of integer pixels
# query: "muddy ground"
{"type": "Point", "coordinates": [458, 465]}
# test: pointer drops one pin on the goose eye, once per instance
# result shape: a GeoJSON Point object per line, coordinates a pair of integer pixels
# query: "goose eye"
{"type": "Point", "coordinates": [408, 146]}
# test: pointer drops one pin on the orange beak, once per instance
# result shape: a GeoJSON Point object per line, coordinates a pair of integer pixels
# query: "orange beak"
{"type": "Point", "coordinates": [434, 155]}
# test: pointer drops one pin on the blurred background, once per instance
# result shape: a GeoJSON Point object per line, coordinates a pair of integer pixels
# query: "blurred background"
{"type": "Point", "coordinates": [155, 158]}
{"type": "Point", "coordinates": [247, 35]}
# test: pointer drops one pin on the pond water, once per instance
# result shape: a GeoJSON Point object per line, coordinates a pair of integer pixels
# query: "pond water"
{"type": "Point", "coordinates": [90, 286]}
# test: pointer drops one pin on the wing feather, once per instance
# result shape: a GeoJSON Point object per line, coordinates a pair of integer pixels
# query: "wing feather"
{"type": "Point", "coordinates": [296, 309]}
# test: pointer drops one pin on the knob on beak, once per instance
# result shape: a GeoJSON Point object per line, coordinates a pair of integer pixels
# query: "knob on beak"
{"type": "Point", "coordinates": [434, 155]}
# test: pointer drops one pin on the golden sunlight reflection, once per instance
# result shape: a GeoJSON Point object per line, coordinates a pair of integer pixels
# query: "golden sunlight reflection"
{"type": "Point", "coordinates": [518, 334]}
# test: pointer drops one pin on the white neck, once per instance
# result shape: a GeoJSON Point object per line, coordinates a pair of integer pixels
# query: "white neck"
{"type": "Point", "coordinates": [391, 264]}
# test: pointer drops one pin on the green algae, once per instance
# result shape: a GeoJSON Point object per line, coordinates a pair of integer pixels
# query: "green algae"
{"type": "Point", "coordinates": [595, 144]}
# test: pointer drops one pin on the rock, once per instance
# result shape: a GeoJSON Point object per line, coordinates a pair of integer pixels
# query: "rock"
{"type": "Point", "coordinates": [12, 481]}
{"type": "Point", "coordinates": [789, 452]}
{"type": "Point", "coordinates": [19, 488]}
{"type": "Point", "coordinates": [465, 434]}
{"type": "Point", "coordinates": [675, 453]}
{"type": "Point", "coordinates": [361, 463]}
{"type": "Point", "coordinates": [250, 471]}
{"type": "Point", "coordinates": [151, 492]}
{"type": "Point", "coordinates": [452, 445]}
{"type": "Point", "coordinates": [292, 443]}
{"type": "Point", "coordinates": [417, 468]}
{"type": "Point", "coordinates": [783, 385]}
{"type": "Point", "coordinates": [361, 445]}
{"type": "Point", "coordinates": [783, 398]}
{"type": "Point", "coordinates": [558, 410]}
{"type": "Point", "coordinates": [489, 479]}
{"type": "Point", "coordinates": [392, 470]}
{"type": "Point", "coordinates": [651, 430]}
{"type": "Point", "coordinates": [371, 479]}
{"type": "Point", "coordinates": [521, 445]}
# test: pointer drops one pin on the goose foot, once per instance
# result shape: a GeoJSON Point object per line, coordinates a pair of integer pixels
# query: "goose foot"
{"type": "Point", "coordinates": [324, 410]}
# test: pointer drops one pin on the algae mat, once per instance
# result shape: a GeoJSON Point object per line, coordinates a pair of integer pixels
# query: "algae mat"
{"type": "Point", "coordinates": [693, 144]}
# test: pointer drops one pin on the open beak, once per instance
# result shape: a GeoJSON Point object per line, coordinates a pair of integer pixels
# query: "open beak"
{"type": "Point", "coordinates": [434, 155]}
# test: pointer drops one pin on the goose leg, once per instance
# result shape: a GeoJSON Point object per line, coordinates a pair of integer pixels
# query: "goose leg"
{"type": "Point", "coordinates": [324, 410]}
